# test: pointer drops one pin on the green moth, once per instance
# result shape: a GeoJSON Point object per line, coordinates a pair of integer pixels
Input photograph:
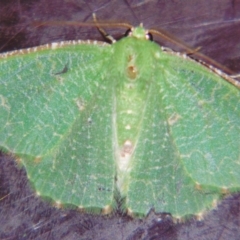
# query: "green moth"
{"type": "Point", "coordinates": [91, 122]}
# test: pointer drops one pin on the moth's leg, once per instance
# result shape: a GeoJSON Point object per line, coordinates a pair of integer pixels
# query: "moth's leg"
{"type": "Point", "coordinates": [108, 37]}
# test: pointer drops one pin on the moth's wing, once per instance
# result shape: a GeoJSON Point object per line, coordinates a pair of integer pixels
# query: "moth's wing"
{"type": "Point", "coordinates": [204, 112]}
{"type": "Point", "coordinates": [56, 116]}
{"type": "Point", "coordinates": [190, 118]}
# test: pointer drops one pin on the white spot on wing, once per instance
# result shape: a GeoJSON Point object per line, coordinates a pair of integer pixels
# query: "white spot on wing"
{"type": "Point", "coordinates": [54, 45]}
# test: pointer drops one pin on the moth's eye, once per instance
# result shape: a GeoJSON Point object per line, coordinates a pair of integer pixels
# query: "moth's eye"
{"type": "Point", "coordinates": [149, 36]}
{"type": "Point", "coordinates": [128, 32]}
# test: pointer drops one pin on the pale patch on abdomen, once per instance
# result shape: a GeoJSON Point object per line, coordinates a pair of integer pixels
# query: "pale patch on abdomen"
{"type": "Point", "coordinates": [124, 155]}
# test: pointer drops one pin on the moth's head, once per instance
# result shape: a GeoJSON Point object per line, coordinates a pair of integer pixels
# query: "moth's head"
{"type": "Point", "coordinates": [139, 32]}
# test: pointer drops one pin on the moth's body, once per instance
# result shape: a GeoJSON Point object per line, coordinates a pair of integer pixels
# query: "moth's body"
{"type": "Point", "coordinates": [131, 96]}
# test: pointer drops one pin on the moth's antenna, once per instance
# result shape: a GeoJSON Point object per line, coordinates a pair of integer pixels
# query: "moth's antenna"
{"type": "Point", "coordinates": [191, 51]}
{"type": "Point", "coordinates": [83, 24]}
